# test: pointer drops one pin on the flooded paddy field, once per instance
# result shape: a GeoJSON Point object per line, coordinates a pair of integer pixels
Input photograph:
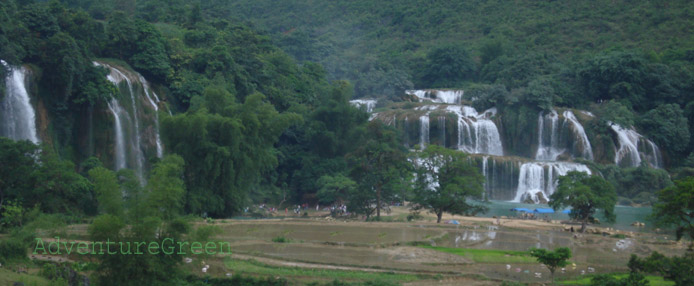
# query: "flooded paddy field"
{"type": "Point", "coordinates": [477, 251]}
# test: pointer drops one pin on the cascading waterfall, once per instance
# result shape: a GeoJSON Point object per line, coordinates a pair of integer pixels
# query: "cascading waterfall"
{"type": "Point", "coordinates": [582, 141]}
{"type": "Point", "coordinates": [145, 85]}
{"type": "Point", "coordinates": [477, 133]}
{"type": "Point", "coordinates": [424, 131]}
{"type": "Point", "coordinates": [538, 180]}
{"type": "Point", "coordinates": [439, 96]}
{"type": "Point", "coordinates": [548, 142]}
{"type": "Point", "coordinates": [136, 120]}
{"type": "Point", "coordinates": [628, 154]}
{"type": "Point", "coordinates": [17, 116]}
{"type": "Point", "coordinates": [367, 104]}
{"type": "Point", "coordinates": [557, 137]}
{"type": "Point", "coordinates": [120, 152]}
{"type": "Point", "coordinates": [442, 125]}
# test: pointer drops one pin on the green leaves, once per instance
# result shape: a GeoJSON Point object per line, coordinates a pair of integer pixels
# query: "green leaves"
{"type": "Point", "coordinates": [552, 259]}
{"type": "Point", "coordinates": [585, 194]}
{"type": "Point", "coordinates": [675, 207]}
{"type": "Point", "coordinates": [445, 180]}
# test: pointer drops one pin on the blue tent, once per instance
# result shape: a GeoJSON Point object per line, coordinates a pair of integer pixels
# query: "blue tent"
{"type": "Point", "coordinates": [566, 211]}
{"type": "Point", "coordinates": [544, 211]}
{"type": "Point", "coordinates": [521, 210]}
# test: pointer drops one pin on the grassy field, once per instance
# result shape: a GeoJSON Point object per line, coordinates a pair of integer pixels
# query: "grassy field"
{"type": "Point", "coordinates": [653, 280]}
{"type": "Point", "coordinates": [8, 277]}
{"type": "Point", "coordinates": [488, 255]}
{"type": "Point", "coordinates": [251, 267]}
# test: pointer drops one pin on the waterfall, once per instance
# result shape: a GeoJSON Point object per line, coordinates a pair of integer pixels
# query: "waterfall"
{"type": "Point", "coordinates": [477, 133]}
{"type": "Point", "coordinates": [438, 96]}
{"type": "Point", "coordinates": [145, 85]}
{"type": "Point", "coordinates": [136, 120]}
{"type": "Point", "coordinates": [538, 180]}
{"type": "Point", "coordinates": [442, 131]}
{"type": "Point", "coordinates": [556, 137]}
{"type": "Point", "coordinates": [424, 131]}
{"type": "Point", "coordinates": [547, 145]}
{"type": "Point", "coordinates": [17, 116]}
{"type": "Point", "coordinates": [119, 153]}
{"type": "Point", "coordinates": [367, 104]}
{"type": "Point", "coordinates": [628, 154]}
{"type": "Point", "coordinates": [584, 147]}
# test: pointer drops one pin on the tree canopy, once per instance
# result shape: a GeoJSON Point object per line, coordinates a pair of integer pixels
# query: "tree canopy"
{"type": "Point", "coordinates": [585, 194]}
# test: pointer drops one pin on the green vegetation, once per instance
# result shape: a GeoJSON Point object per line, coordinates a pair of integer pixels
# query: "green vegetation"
{"type": "Point", "coordinates": [552, 259]}
{"type": "Point", "coordinates": [652, 280]}
{"type": "Point", "coordinates": [487, 255]}
{"type": "Point", "coordinates": [585, 194]}
{"type": "Point", "coordinates": [675, 207]}
{"type": "Point", "coordinates": [252, 267]}
{"type": "Point", "coordinates": [455, 178]}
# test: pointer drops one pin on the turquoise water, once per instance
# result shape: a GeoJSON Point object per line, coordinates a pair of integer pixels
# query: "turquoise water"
{"type": "Point", "coordinates": [625, 215]}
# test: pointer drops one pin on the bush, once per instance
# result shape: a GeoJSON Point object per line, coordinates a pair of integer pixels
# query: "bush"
{"type": "Point", "coordinates": [281, 239]}
{"type": "Point", "coordinates": [12, 249]}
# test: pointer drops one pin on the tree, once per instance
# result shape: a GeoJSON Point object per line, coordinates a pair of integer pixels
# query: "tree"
{"type": "Point", "coordinates": [445, 180]}
{"type": "Point", "coordinates": [667, 126]}
{"type": "Point", "coordinates": [552, 259]}
{"type": "Point", "coordinates": [675, 207]}
{"type": "Point", "coordinates": [448, 66]}
{"type": "Point", "coordinates": [108, 192]}
{"type": "Point", "coordinates": [166, 187]}
{"type": "Point", "coordinates": [634, 279]}
{"type": "Point", "coordinates": [585, 194]}
{"type": "Point", "coordinates": [381, 169]}
{"type": "Point", "coordinates": [334, 189]}
{"type": "Point", "coordinates": [679, 269]}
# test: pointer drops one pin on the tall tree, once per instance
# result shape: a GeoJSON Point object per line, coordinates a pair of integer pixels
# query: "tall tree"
{"type": "Point", "coordinates": [585, 194]}
{"type": "Point", "coordinates": [445, 180]}
{"type": "Point", "coordinates": [381, 169]}
{"type": "Point", "coordinates": [675, 207]}
{"type": "Point", "coordinates": [552, 259]}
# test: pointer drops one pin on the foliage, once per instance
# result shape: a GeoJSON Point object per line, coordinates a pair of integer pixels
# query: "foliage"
{"type": "Point", "coordinates": [381, 169]}
{"type": "Point", "coordinates": [236, 146]}
{"type": "Point", "coordinates": [585, 194]}
{"type": "Point", "coordinates": [679, 269]}
{"type": "Point", "coordinates": [634, 278]}
{"type": "Point", "coordinates": [675, 207]}
{"type": "Point", "coordinates": [552, 259]}
{"type": "Point", "coordinates": [445, 180]}
{"type": "Point", "coordinates": [667, 126]}
{"type": "Point", "coordinates": [107, 191]}
{"type": "Point", "coordinates": [334, 189]}
{"type": "Point", "coordinates": [447, 66]}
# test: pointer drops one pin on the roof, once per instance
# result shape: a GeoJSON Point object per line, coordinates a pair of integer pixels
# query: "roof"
{"type": "Point", "coordinates": [521, 210]}
{"type": "Point", "coordinates": [544, 211]}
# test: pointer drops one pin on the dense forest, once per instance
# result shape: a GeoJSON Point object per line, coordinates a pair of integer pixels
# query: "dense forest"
{"type": "Point", "coordinates": [255, 103]}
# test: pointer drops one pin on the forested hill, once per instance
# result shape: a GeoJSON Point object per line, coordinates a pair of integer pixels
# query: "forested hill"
{"type": "Point", "coordinates": [389, 40]}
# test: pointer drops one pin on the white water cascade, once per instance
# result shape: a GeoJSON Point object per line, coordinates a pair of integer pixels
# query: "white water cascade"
{"type": "Point", "coordinates": [548, 142]}
{"type": "Point", "coordinates": [477, 133]}
{"type": "Point", "coordinates": [424, 131]}
{"type": "Point", "coordinates": [557, 137]}
{"type": "Point", "coordinates": [17, 116]}
{"type": "Point", "coordinates": [135, 112]}
{"type": "Point", "coordinates": [154, 103]}
{"type": "Point", "coordinates": [120, 152]}
{"type": "Point", "coordinates": [579, 134]}
{"type": "Point", "coordinates": [628, 154]}
{"type": "Point", "coordinates": [538, 180]}
{"type": "Point", "coordinates": [438, 96]}
{"type": "Point", "coordinates": [367, 104]}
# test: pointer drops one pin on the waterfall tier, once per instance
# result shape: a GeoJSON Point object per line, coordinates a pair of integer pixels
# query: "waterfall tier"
{"type": "Point", "coordinates": [367, 104]}
{"type": "Point", "coordinates": [17, 116]}
{"type": "Point", "coordinates": [438, 96]}
{"type": "Point", "coordinates": [557, 137]}
{"type": "Point", "coordinates": [634, 148]}
{"type": "Point", "coordinates": [135, 111]}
